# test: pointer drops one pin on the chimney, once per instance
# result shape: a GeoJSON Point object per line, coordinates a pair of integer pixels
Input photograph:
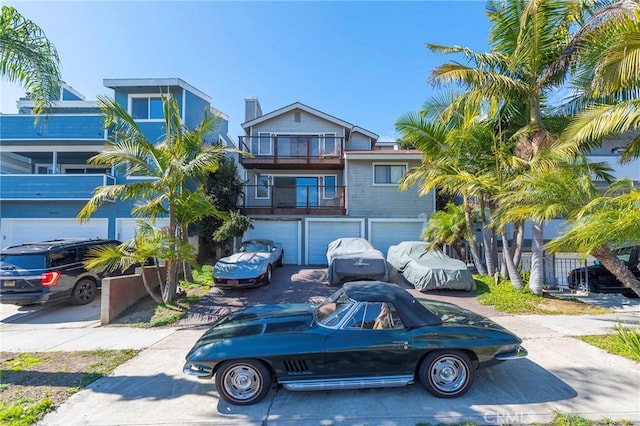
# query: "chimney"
{"type": "Point", "coordinates": [252, 109]}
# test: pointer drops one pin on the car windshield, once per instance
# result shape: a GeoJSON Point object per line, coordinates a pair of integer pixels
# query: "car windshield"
{"type": "Point", "coordinates": [333, 310]}
{"type": "Point", "coordinates": [253, 248]}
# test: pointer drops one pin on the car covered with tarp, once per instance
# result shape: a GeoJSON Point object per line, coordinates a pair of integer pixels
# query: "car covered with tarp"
{"type": "Point", "coordinates": [352, 259]}
{"type": "Point", "coordinates": [429, 269]}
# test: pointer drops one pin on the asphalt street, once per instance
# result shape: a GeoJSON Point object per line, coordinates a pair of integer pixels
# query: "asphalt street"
{"type": "Point", "coordinates": [561, 373]}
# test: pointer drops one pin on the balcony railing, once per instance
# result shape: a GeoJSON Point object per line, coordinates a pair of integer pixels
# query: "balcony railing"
{"type": "Point", "coordinates": [327, 200]}
{"type": "Point", "coordinates": [291, 151]}
{"type": "Point", "coordinates": [51, 187]}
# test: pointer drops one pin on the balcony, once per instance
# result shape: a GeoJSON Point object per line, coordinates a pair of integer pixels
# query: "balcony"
{"type": "Point", "coordinates": [52, 127]}
{"type": "Point", "coordinates": [292, 199]}
{"type": "Point", "coordinates": [285, 152]}
{"type": "Point", "coordinates": [31, 187]}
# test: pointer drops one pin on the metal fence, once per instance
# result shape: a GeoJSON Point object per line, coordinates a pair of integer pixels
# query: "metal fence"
{"type": "Point", "coordinates": [556, 266]}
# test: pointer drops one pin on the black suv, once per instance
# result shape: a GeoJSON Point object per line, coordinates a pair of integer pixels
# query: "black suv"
{"type": "Point", "coordinates": [49, 270]}
{"type": "Point", "coordinates": [598, 279]}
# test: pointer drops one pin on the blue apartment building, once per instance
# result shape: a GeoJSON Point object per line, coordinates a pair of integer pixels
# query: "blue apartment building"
{"type": "Point", "coordinates": [44, 176]}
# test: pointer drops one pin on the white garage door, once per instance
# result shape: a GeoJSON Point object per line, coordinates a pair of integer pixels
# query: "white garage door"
{"type": "Point", "coordinates": [320, 232]}
{"type": "Point", "coordinates": [126, 228]}
{"type": "Point", "coordinates": [285, 232]}
{"type": "Point", "coordinates": [387, 232]}
{"type": "Point", "coordinates": [19, 231]}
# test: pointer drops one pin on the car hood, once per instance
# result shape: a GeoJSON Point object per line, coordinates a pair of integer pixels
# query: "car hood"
{"type": "Point", "coordinates": [455, 315]}
{"type": "Point", "coordinates": [257, 320]}
{"type": "Point", "coordinates": [248, 257]}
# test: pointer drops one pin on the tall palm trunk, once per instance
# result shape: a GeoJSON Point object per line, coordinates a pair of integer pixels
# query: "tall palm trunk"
{"type": "Point", "coordinates": [488, 237]}
{"type": "Point", "coordinates": [186, 266]}
{"type": "Point", "coordinates": [473, 243]}
{"type": "Point", "coordinates": [617, 268]}
{"type": "Point", "coordinates": [507, 258]}
{"type": "Point", "coordinates": [536, 279]}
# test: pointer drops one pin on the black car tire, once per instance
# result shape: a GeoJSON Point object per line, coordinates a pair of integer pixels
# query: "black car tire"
{"type": "Point", "coordinates": [243, 382]}
{"type": "Point", "coordinates": [84, 292]}
{"type": "Point", "coordinates": [280, 260]}
{"type": "Point", "coordinates": [446, 374]}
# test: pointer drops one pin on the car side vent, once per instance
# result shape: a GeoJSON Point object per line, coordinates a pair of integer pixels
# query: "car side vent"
{"type": "Point", "coordinates": [296, 367]}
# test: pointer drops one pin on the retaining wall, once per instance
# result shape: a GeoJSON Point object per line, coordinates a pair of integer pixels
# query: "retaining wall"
{"type": "Point", "coordinates": [119, 293]}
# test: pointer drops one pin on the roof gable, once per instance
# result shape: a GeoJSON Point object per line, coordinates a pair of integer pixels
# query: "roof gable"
{"type": "Point", "coordinates": [309, 110]}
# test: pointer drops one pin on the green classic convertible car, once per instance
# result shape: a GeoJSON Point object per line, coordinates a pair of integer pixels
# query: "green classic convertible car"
{"type": "Point", "coordinates": [367, 334]}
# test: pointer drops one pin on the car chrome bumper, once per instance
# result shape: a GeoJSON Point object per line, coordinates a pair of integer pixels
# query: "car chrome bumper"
{"type": "Point", "coordinates": [197, 370]}
{"type": "Point", "coordinates": [520, 352]}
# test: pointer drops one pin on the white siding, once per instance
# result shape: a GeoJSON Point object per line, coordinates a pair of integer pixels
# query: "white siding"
{"type": "Point", "coordinates": [387, 232]}
{"type": "Point", "coordinates": [19, 231]}
{"type": "Point", "coordinates": [320, 232]}
{"type": "Point", "coordinates": [125, 228]}
{"type": "Point", "coordinates": [285, 232]}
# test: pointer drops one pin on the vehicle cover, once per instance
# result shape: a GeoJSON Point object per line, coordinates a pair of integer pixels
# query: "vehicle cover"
{"type": "Point", "coordinates": [429, 270]}
{"type": "Point", "coordinates": [352, 259]}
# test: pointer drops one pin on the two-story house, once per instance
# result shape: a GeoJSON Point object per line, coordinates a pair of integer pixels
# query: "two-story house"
{"type": "Point", "coordinates": [312, 178]}
{"type": "Point", "coordinates": [44, 176]}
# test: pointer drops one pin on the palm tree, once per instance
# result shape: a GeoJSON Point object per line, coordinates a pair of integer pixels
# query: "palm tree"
{"type": "Point", "coordinates": [28, 57]}
{"type": "Point", "coordinates": [453, 155]}
{"type": "Point", "coordinates": [447, 227]}
{"type": "Point", "coordinates": [607, 85]}
{"type": "Point", "coordinates": [175, 165]}
{"type": "Point", "coordinates": [526, 38]}
{"type": "Point", "coordinates": [603, 224]}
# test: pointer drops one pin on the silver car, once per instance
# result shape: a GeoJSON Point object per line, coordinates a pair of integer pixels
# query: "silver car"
{"type": "Point", "coordinates": [251, 266]}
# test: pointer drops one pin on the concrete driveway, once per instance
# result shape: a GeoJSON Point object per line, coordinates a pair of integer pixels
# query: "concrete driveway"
{"type": "Point", "coordinates": [561, 374]}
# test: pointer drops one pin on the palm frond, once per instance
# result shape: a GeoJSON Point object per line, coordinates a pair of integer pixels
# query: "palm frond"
{"type": "Point", "coordinates": [29, 58]}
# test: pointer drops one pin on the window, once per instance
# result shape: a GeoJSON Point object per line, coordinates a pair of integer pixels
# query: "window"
{"type": "Point", "coordinates": [261, 145]}
{"type": "Point", "coordinates": [375, 316]}
{"type": "Point", "coordinates": [329, 187]}
{"type": "Point", "coordinates": [263, 186]}
{"type": "Point", "coordinates": [329, 145]}
{"type": "Point", "coordinates": [388, 174]}
{"type": "Point", "coordinates": [146, 108]}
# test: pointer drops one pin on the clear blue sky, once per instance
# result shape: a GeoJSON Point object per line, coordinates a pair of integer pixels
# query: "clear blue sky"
{"type": "Point", "coordinates": [364, 62]}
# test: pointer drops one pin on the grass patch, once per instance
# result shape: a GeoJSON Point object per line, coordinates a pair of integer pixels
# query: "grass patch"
{"type": "Point", "coordinates": [562, 419]}
{"type": "Point", "coordinates": [625, 343]}
{"type": "Point", "coordinates": [504, 298]}
{"type": "Point", "coordinates": [35, 383]}
{"type": "Point", "coordinates": [148, 313]}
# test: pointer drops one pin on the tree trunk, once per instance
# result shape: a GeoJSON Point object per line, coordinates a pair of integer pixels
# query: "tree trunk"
{"type": "Point", "coordinates": [489, 247]}
{"type": "Point", "coordinates": [507, 258]}
{"type": "Point", "coordinates": [186, 267]}
{"type": "Point", "coordinates": [536, 279]}
{"type": "Point", "coordinates": [473, 243]}
{"type": "Point", "coordinates": [154, 296]}
{"type": "Point", "coordinates": [617, 267]}
{"type": "Point", "coordinates": [518, 237]}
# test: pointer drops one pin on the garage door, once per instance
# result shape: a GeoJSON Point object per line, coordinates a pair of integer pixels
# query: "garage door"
{"type": "Point", "coordinates": [320, 232]}
{"type": "Point", "coordinates": [387, 232]}
{"type": "Point", "coordinates": [19, 231]}
{"type": "Point", "coordinates": [285, 232]}
{"type": "Point", "coordinates": [126, 228]}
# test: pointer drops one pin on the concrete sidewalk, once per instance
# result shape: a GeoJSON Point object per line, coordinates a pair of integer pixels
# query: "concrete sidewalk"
{"type": "Point", "coordinates": [561, 374]}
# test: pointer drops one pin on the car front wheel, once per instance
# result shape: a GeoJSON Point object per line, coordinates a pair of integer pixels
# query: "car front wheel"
{"type": "Point", "coordinates": [243, 382]}
{"type": "Point", "coordinates": [84, 292]}
{"type": "Point", "coordinates": [446, 374]}
{"type": "Point", "coordinates": [269, 274]}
